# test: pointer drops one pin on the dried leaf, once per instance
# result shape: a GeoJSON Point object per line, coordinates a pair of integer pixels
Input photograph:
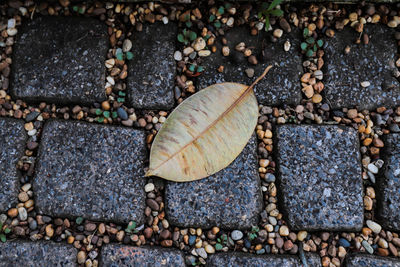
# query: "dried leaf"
{"type": "Point", "coordinates": [205, 133]}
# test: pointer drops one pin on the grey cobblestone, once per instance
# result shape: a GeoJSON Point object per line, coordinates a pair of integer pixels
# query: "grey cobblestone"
{"type": "Point", "coordinates": [91, 170]}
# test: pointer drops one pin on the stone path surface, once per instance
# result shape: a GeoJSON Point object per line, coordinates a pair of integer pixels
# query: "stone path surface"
{"type": "Point", "coordinates": [231, 198]}
{"type": "Point", "coordinates": [12, 146]}
{"type": "Point", "coordinates": [33, 254]}
{"type": "Point", "coordinates": [60, 60]}
{"type": "Point", "coordinates": [128, 256]}
{"type": "Point", "coordinates": [365, 260]}
{"type": "Point", "coordinates": [151, 76]}
{"type": "Point", "coordinates": [280, 86]}
{"type": "Point", "coordinates": [320, 177]}
{"type": "Point", "coordinates": [389, 184]}
{"type": "Point", "coordinates": [97, 172]}
{"type": "Point", "coordinates": [373, 63]}
{"type": "Point", "coordinates": [232, 259]}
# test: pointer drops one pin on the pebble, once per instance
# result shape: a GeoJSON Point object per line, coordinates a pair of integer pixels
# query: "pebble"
{"type": "Point", "coordinates": [122, 113]}
{"type": "Point", "coordinates": [286, 46]}
{"type": "Point", "coordinates": [249, 72]}
{"type": "Point", "coordinates": [188, 50]}
{"type": "Point", "coordinates": [22, 214]}
{"type": "Point", "coordinates": [81, 257]}
{"type": "Point", "coordinates": [152, 204]}
{"type": "Point", "coordinates": [225, 51]}
{"type": "Point", "coordinates": [367, 247]}
{"type": "Point", "coordinates": [178, 55]}
{"type": "Point", "coordinates": [301, 235]}
{"type": "Point", "coordinates": [201, 252]}
{"type": "Point", "coordinates": [365, 84]}
{"type": "Point", "coordinates": [236, 235]}
{"type": "Point", "coordinates": [126, 45]}
{"type": "Point", "coordinates": [284, 230]}
{"type": "Point", "coordinates": [375, 227]}
{"type": "Point", "coordinates": [149, 187]}
{"type": "Point", "coordinates": [372, 168]}
{"type": "Point", "coordinates": [209, 249]}
{"type": "Point", "coordinates": [270, 178]}
{"type": "Point", "coordinates": [344, 243]}
{"type": "Point", "coordinates": [318, 74]}
{"type": "Point", "coordinates": [277, 33]}
{"type": "Point", "coordinates": [204, 53]}
{"type": "Point", "coordinates": [49, 230]}
{"type": "Point", "coordinates": [199, 44]}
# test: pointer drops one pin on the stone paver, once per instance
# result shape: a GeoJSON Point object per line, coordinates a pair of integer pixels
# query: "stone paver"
{"type": "Point", "coordinates": [320, 177]}
{"type": "Point", "coordinates": [231, 198]}
{"type": "Point", "coordinates": [91, 170]}
{"type": "Point", "coordinates": [60, 60]}
{"type": "Point", "coordinates": [373, 63]}
{"type": "Point", "coordinates": [12, 146]}
{"type": "Point", "coordinates": [232, 259]}
{"type": "Point", "coordinates": [389, 184]}
{"type": "Point", "coordinates": [151, 73]}
{"type": "Point", "coordinates": [40, 253]}
{"type": "Point", "coordinates": [120, 256]}
{"type": "Point", "coordinates": [366, 260]}
{"type": "Point", "coordinates": [282, 83]}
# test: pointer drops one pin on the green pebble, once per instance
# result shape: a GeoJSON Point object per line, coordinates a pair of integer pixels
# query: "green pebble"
{"type": "Point", "coordinates": [114, 114]}
{"type": "Point", "coordinates": [120, 100]}
{"type": "Point", "coordinates": [120, 56]}
{"type": "Point", "coordinates": [98, 112]}
{"type": "Point", "coordinates": [129, 55]}
{"type": "Point", "coordinates": [100, 119]}
{"type": "Point", "coordinates": [79, 220]}
{"type": "Point", "coordinates": [106, 114]}
{"type": "Point", "coordinates": [121, 93]}
{"type": "Point", "coordinates": [218, 246]}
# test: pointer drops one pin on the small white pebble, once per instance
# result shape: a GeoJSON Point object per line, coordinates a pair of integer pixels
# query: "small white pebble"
{"type": "Point", "coordinates": [286, 46]}
{"type": "Point", "coordinates": [165, 20]}
{"type": "Point", "coordinates": [149, 187]}
{"type": "Point", "coordinates": [178, 55]}
{"type": "Point", "coordinates": [372, 168]}
{"type": "Point", "coordinates": [365, 84]}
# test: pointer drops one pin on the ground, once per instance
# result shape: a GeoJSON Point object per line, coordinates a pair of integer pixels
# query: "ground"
{"type": "Point", "coordinates": [84, 89]}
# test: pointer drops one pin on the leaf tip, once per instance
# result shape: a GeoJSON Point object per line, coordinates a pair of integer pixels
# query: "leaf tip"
{"type": "Point", "coordinates": [149, 173]}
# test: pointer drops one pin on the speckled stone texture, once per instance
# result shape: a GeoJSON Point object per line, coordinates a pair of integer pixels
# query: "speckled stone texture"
{"type": "Point", "coordinates": [117, 255]}
{"type": "Point", "coordinates": [319, 177]}
{"type": "Point", "coordinates": [151, 73]}
{"type": "Point", "coordinates": [366, 260]}
{"type": "Point", "coordinates": [389, 184]}
{"type": "Point", "coordinates": [12, 146]}
{"type": "Point", "coordinates": [40, 253]}
{"type": "Point", "coordinates": [282, 83]}
{"type": "Point", "coordinates": [91, 170]}
{"type": "Point", "coordinates": [232, 259]}
{"type": "Point", "coordinates": [231, 198]}
{"type": "Point", "coordinates": [60, 60]}
{"type": "Point", "coordinates": [374, 63]}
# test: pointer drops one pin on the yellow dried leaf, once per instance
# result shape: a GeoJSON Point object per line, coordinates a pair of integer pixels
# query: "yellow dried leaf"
{"type": "Point", "coordinates": [205, 133]}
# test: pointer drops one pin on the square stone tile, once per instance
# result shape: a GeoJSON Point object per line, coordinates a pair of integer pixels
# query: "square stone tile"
{"type": "Point", "coordinates": [33, 254]}
{"type": "Point", "coordinates": [231, 259]}
{"type": "Point", "coordinates": [60, 60]}
{"type": "Point", "coordinates": [90, 170]}
{"type": "Point", "coordinates": [374, 63]}
{"type": "Point", "coordinates": [319, 177]}
{"type": "Point", "coordinates": [231, 198]}
{"type": "Point", "coordinates": [366, 260]}
{"type": "Point", "coordinates": [12, 147]}
{"type": "Point", "coordinates": [118, 255]}
{"type": "Point", "coordinates": [151, 73]}
{"type": "Point", "coordinates": [282, 83]}
{"type": "Point", "coordinates": [389, 184]}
